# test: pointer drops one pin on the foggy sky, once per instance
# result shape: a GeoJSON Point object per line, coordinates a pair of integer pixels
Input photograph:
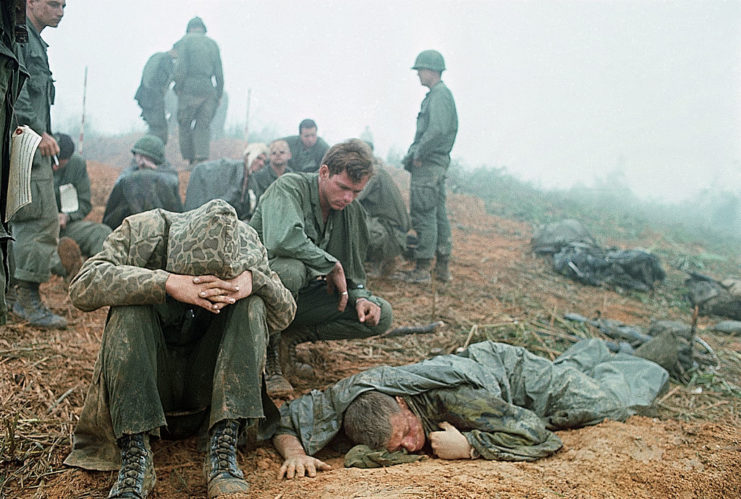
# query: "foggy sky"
{"type": "Point", "coordinates": [559, 92]}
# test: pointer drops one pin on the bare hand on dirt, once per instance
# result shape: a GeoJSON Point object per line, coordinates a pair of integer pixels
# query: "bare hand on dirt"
{"type": "Point", "coordinates": [209, 292]}
{"type": "Point", "coordinates": [368, 312]}
{"type": "Point", "coordinates": [299, 466]}
{"type": "Point", "coordinates": [336, 281]}
{"type": "Point", "coordinates": [48, 146]}
{"type": "Point", "coordinates": [450, 443]}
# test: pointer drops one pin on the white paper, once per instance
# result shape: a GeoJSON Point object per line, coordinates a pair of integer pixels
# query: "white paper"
{"type": "Point", "coordinates": [68, 198]}
{"type": "Point", "coordinates": [23, 145]}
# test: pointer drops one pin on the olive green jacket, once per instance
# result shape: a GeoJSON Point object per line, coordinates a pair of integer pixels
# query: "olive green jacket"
{"type": "Point", "coordinates": [156, 78]}
{"type": "Point", "coordinates": [437, 126]}
{"type": "Point", "coordinates": [381, 198]}
{"type": "Point", "coordinates": [289, 222]}
{"type": "Point", "coordinates": [303, 159]}
{"type": "Point", "coordinates": [138, 257]}
{"type": "Point", "coordinates": [36, 98]}
{"type": "Point", "coordinates": [75, 173]}
{"type": "Point", "coordinates": [198, 68]}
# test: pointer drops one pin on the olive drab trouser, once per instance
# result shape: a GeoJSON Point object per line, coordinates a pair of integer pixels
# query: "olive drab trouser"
{"type": "Point", "coordinates": [428, 212]}
{"type": "Point", "coordinates": [36, 226]}
{"type": "Point", "coordinates": [157, 360]}
{"type": "Point", "coordinates": [318, 309]}
{"type": "Point", "coordinates": [195, 113]}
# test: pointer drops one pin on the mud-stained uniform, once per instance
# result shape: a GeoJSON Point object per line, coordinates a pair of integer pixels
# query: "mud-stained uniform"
{"type": "Point", "coordinates": [303, 249]}
{"type": "Point", "coordinates": [36, 226]}
{"type": "Point", "coordinates": [437, 126]}
{"type": "Point", "coordinates": [163, 362]}
{"type": "Point", "coordinates": [388, 219]}
{"type": "Point", "coordinates": [89, 236]}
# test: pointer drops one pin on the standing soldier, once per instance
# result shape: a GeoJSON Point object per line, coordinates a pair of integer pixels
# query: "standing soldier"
{"type": "Point", "coordinates": [199, 84]}
{"type": "Point", "coordinates": [36, 226]}
{"type": "Point", "coordinates": [156, 79]}
{"type": "Point", "coordinates": [12, 77]}
{"type": "Point", "coordinates": [427, 160]}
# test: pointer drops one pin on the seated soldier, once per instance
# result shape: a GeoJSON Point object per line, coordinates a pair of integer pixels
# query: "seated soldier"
{"type": "Point", "coordinates": [228, 179]}
{"type": "Point", "coordinates": [278, 165]}
{"type": "Point", "coordinates": [71, 178]}
{"type": "Point", "coordinates": [316, 236]}
{"type": "Point", "coordinates": [307, 148]}
{"type": "Point", "coordinates": [388, 220]}
{"type": "Point", "coordinates": [493, 400]}
{"type": "Point", "coordinates": [192, 302]}
{"type": "Point", "coordinates": [148, 183]}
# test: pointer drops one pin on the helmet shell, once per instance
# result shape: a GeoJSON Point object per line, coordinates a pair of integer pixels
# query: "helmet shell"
{"type": "Point", "coordinates": [430, 59]}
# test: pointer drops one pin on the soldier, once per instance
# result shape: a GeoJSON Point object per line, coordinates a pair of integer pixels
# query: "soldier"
{"type": "Point", "coordinates": [493, 400]}
{"type": "Point", "coordinates": [70, 175]}
{"type": "Point", "coordinates": [280, 155]}
{"type": "Point", "coordinates": [199, 84]}
{"type": "Point", "coordinates": [36, 226]}
{"type": "Point", "coordinates": [192, 303]}
{"type": "Point", "coordinates": [427, 160]}
{"type": "Point", "coordinates": [156, 79]}
{"type": "Point", "coordinates": [148, 182]}
{"type": "Point", "coordinates": [229, 179]}
{"type": "Point", "coordinates": [388, 220]}
{"type": "Point", "coordinates": [307, 149]}
{"type": "Point", "coordinates": [316, 237]}
{"type": "Point", "coordinates": [12, 32]}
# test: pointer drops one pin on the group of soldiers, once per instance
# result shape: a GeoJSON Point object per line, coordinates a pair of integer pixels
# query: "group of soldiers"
{"type": "Point", "coordinates": [209, 299]}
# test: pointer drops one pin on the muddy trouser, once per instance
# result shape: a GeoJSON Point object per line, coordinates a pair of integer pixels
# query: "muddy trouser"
{"type": "Point", "coordinates": [169, 358]}
{"type": "Point", "coordinates": [36, 226]}
{"type": "Point", "coordinates": [429, 215]}
{"type": "Point", "coordinates": [318, 310]}
{"type": "Point", "coordinates": [155, 118]}
{"type": "Point", "coordinates": [195, 113]}
{"type": "Point", "coordinates": [386, 240]}
{"type": "Point", "coordinates": [89, 236]}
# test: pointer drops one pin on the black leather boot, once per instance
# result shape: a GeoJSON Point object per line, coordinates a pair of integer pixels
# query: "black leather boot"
{"type": "Point", "coordinates": [221, 469]}
{"type": "Point", "coordinates": [136, 478]}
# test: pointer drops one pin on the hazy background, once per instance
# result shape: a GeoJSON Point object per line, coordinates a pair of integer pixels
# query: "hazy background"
{"type": "Point", "coordinates": [559, 92]}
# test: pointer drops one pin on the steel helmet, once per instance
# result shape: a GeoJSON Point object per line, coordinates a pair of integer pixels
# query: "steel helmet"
{"type": "Point", "coordinates": [151, 146]}
{"type": "Point", "coordinates": [195, 23]}
{"type": "Point", "coordinates": [430, 59]}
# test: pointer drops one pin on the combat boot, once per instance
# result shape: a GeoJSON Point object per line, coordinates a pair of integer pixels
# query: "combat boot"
{"type": "Point", "coordinates": [276, 384]}
{"type": "Point", "coordinates": [70, 256]}
{"type": "Point", "coordinates": [442, 269]}
{"type": "Point", "coordinates": [29, 307]}
{"type": "Point", "coordinates": [289, 340]}
{"type": "Point", "coordinates": [420, 274]}
{"type": "Point", "coordinates": [221, 469]}
{"type": "Point", "coordinates": [136, 478]}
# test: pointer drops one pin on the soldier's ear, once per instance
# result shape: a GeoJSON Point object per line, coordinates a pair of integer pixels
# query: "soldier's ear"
{"type": "Point", "coordinates": [402, 403]}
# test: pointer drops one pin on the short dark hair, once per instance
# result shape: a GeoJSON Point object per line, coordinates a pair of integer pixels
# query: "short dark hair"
{"type": "Point", "coordinates": [307, 123]}
{"type": "Point", "coordinates": [66, 145]}
{"type": "Point", "coordinates": [368, 419]}
{"type": "Point", "coordinates": [353, 156]}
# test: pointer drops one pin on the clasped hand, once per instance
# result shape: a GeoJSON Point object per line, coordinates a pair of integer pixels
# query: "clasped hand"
{"type": "Point", "coordinates": [209, 292]}
{"type": "Point", "coordinates": [450, 443]}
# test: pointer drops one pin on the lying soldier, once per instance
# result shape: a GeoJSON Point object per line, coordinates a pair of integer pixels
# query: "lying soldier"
{"type": "Point", "coordinates": [493, 400]}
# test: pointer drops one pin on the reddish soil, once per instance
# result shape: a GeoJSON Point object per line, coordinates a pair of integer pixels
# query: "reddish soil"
{"type": "Point", "coordinates": [690, 448]}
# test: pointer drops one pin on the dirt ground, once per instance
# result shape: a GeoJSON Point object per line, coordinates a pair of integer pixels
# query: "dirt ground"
{"type": "Point", "coordinates": [690, 446]}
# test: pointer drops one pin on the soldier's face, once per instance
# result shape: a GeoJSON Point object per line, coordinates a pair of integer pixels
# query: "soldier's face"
{"type": "Point", "coordinates": [406, 431]}
{"type": "Point", "coordinates": [426, 76]}
{"type": "Point", "coordinates": [46, 12]}
{"type": "Point", "coordinates": [280, 153]}
{"type": "Point", "coordinates": [308, 137]}
{"type": "Point", "coordinates": [258, 163]}
{"type": "Point", "coordinates": [337, 191]}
